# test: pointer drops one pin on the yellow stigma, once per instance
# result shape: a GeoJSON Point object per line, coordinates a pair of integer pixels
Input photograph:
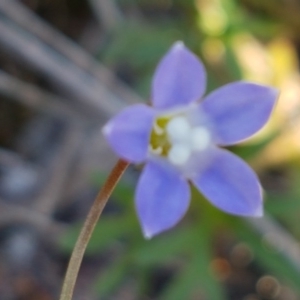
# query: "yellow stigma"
{"type": "Point", "coordinates": [159, 142]}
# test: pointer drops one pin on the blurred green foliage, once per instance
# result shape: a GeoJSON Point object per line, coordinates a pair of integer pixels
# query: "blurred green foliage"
{"type": "Point", "coordinates": [189, 255]}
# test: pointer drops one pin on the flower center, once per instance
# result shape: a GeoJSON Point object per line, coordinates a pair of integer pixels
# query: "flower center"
{"type": "Point", "coordinates": [175, 138]}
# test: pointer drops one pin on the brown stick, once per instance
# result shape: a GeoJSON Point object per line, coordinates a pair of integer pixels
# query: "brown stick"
{"type": "Point", "coordinates": [88, 227]}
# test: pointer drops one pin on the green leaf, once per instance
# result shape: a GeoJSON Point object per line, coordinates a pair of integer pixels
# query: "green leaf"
{"type": "Point", "coordinates": [106, 231]}
{"type": "Point", "coordinates": [111, 278]}
{"type": "Point", "coordinates": [233, 67]}
{"type": "Point", "coordinates": [124, 192]}
{"type": "Point", "coordinates": [196, 277]}
{"type": "Point", "coordinates": [161, 249]}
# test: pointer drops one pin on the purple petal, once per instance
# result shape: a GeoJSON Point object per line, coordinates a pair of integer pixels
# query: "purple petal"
{"type": "Point", "coordinates": [128, 133]}
{"type": "Point", "coordinates": [231, 185]}
{"type": "Point", "coordinates": [179, 79]}
{"type": "Point", "coordinates": [162, 198]}
{"type": "Point", "coordinates": [238, 110]}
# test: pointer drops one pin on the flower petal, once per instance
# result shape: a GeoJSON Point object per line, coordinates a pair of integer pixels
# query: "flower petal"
{"type": "Point", "coordinates": [179, 79]}
{"type": "Point", "coordinates": [162, 198]}
{"type": "Point", "coordinates": [231, 185]}
{"type": "Point", "coordinates": [238, 110]}
{"type": "Point", "coordinates": [128, 133]}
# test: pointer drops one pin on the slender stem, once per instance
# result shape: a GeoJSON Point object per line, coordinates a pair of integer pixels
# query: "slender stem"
{"type": "Point", "coordinates": [88, 227]}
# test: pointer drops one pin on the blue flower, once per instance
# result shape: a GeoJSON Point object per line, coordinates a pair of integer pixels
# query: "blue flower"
{"type": "Point", "coordinates": [178, 138]}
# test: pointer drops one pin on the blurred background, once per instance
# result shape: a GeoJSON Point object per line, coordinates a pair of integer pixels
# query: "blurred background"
{"type": "Point", "coordinates": [66, 67]}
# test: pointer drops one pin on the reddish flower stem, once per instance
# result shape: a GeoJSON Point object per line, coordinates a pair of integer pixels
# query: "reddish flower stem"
{"type": "Point", "coordinates": [88, 227]}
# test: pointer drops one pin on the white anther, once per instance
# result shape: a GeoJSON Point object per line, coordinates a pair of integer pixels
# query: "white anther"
{"type": "Point", "coordinates": [178, 129]}
{"type": "Point", "coordinates": [200, 138]}
{"type": "Point", "coordinates": [179, 154]}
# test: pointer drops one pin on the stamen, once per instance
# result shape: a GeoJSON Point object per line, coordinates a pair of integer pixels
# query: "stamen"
{"type": "Point", "coordinates": [157, 129]}
{"type": "Point", "coordinates": [179, 154]}
{"type": "Point", "coordinates": [178, 129]}
{"type": "Point", "coordinates": [157, 150]}
{"type": "Point", "coordinates": [200, 138]}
